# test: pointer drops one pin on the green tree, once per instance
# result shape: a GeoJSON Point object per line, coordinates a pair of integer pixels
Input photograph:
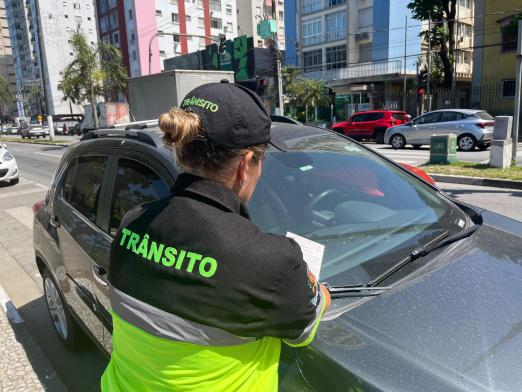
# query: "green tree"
{"type": "Point", "coordinates": [6, 96]}
{"type": "Point", "coordinates": [442, 33]}
{"type": "Point", "coordinates": [95, 71]}
{"type": "Point", "coordinates": [314, 92]}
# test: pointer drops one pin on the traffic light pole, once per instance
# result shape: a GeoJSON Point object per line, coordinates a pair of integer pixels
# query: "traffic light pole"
{"type": "Point", "coordinates": [429, 63]}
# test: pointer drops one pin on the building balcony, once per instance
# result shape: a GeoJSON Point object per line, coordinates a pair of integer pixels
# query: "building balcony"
{"type": "Point", "coordinates": [310, 7]}
{"type": "Point", "coordinates": [367, 71]}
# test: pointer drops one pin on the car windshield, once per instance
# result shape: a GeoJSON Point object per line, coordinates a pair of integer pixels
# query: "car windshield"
{"type": "Point", "coordinates": [367, 212]}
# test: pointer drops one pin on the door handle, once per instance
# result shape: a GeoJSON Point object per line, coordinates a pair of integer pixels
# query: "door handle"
{"type": "Point", "coordinates": [100, 276]}
{"type": "Point", "coordinates": [54, 222]}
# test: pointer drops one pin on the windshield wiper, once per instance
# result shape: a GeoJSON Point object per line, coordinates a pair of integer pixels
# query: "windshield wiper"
{"type": "Point", "coordinates": [438, 242]}
{"type": "Point", "coordinates": [355, 290]}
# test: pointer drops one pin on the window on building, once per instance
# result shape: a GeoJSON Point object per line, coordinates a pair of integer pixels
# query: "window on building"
{"type": "Point", "coordinates": [336, 57]}
{"type": "Point", "coordinates": [259, 43]}
{"type": "Point", "coordinates": [312, 31]}
{"type": "Point", "coordinates": [176, 38]}
{"type": "Point", "coordinates": [216, 23]}
{"type": "Point", "coordinates": [199, 4]}
{"type": "Point", "coordinates": [113, 20]}
{"type": "Point", "coordinates": [202, 42]}
{"type": "Point", "coordinates": [215, 5]}
{"type": "Point", "coordinates": [365, 52]}
{"type": "Point", "coordinates": [174, 2]}
{"type": "Point", "coordinates": [134, 55]}
{"type": "Point", "coordinates": [228, 9]}
{"type": "Point", "coordinates": [76, 6]}
{"type": "Point", "coordinates": [463, 57]}
{"type": "Point", "coordinates": [312, 5]}
{"type": "Point", "coordinates": [229, 27]}
{"type": "Point", "coordinates": [88, 18]}
{"type": "Point", "coordinates": [130, 14]}
{"type": "Point", "coordinates": [78, 20]}
{"type": "Point", "coordinates": [66, 16]}
{"type": "Point", "coordinates": [132, 38]}
{"type": "Point", "coordinates": [313, 60]}
{"type": "Point", "coordinates": [365, 17]}
{"type": "Point", "coordinates": [162, 53]}
{"type": "Point", "coordinates": [159, 13]}
{"type": "Point", "coordinates": [281, 15]}
{"type": "Point", "coordinates": [111, 4]}
{"type": "Point", "coordinates": [508, 88]}
{"type": "Point", "coordinates": [333, 3]}
{"type": "Point", "coordinates": [104, 24]}
{"type": "Point", "coordinates": [116, 39]}
{"type": "Point", "coordinates": [509, 34]}
{"type": "Point", "coordinates": [103, 6]}
{"type": "Point", "coordinates": [201, 23]}
{"type": "Point", "coordinates": [336, 26]}
{"type": "Point", "coordinates": [175, 17]}
{"type": "Point", "coordinates": [188, 18]}
{"type": "Point", "coordinates": [465, 3]}
{"type": "Point", "coordinates": [464, 30]}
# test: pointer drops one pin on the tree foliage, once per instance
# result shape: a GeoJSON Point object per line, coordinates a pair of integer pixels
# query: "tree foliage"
{"type": "Point", "coordinates": [301, 92]}
{"type": "Point", "coordinates": [442, 33]}
{"type": "Point", "coordinates": [95, 71]}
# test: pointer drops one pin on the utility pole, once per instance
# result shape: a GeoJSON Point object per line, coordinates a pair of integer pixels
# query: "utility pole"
{"type": "Point", "coordinates": [429, 62]}
{"type": "Point", "coordinates": [279, 77]}
{"type": "Point", "coordinates": [404, 72]}
{"type": "Point", "coordinates": [518, 88]}
{"type": "Point", "coordinates": [417, 89]}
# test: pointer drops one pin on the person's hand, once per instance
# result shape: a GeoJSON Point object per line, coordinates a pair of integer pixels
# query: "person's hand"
{"type": "Point", "coordinates": [326, 295]}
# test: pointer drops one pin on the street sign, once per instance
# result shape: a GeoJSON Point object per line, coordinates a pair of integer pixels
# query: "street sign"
{"type": "Point", "coordinates": [20, 107]}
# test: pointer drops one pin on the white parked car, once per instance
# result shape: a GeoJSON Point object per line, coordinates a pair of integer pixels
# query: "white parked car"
{"type": "Point", "coordinates": [8, 166]}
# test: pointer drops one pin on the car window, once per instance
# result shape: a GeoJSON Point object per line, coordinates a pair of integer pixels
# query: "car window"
{"type": "Point", "coordinates": [374, 116]}
{"type": "Point", "coordinates": [86, 185]}
{"type": "Point", "coordinates": [429, 118]}
{"type": "Point", "coordinates": [367, 212]}
{"type": "Point", "coordinates": [66, 188]}
{"type": "Point", "coordinates": [135, 183]}
{"type": "Point", "coordinates": [483, 116]}
{"type": "Point", "coordinates": [357, 118]}
{"type": "Point", "coordinates": [451, 116]}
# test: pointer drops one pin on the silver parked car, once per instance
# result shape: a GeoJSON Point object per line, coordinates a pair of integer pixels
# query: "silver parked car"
{"type": "Point", "coordinates": [473, 128]}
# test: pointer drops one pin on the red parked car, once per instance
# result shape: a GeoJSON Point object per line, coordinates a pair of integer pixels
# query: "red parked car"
{"type": "Point", "coordinates": [371, 124]}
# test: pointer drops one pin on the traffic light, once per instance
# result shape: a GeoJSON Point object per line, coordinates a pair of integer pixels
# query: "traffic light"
{"type": "Point", "coordinates": [424, 79]}
{"type": "Point", "coordinates": [222, 43]}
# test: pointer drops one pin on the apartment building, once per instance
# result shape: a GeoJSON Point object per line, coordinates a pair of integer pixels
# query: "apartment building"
{"type": "Point", "coordinates": [150, 31]}
{"type": "Point", "coordinates": [251, 12]}
{"type": "Point", "coordinates": [6, 63]}
{"type": "Point", "coordinates": [42, 47]}
{"type": "Point", "coordinates": [358, 47]}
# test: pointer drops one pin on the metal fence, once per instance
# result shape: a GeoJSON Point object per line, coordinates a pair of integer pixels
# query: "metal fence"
{"type": "Point", "coordinates": [490, 98]}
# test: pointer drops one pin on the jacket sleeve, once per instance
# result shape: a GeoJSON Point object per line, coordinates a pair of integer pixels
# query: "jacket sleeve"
{"type": "Point", "coordinates": [297, 305]}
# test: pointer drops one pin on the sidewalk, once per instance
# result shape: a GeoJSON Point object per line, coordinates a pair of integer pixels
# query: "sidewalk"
{"type": "Point", "coordinates": [23, 365]}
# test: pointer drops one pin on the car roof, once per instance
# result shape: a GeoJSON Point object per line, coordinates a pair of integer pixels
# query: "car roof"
{"type": "Point", "coordinates": [380, 111]}
{"type": "Point", "coordinates": [465, 111]}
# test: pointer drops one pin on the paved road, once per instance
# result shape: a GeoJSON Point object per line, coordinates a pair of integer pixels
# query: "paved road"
{"type": "Point", "coordinates": [418, 157]}
{"type": "Point", "coordinates": [20, 278]}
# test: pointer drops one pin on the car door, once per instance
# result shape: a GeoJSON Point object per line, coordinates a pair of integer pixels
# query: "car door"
{"type": "Point", "coordinates": [449, 122]}
{"type": "Point", "coordinates": [357, 126]}
{"type": "Point", "coordinates": [422, 128]}
{"type": "Point", "coordinates": [75, 217]}
{"type": "Point", "coordinates": [135, 179]}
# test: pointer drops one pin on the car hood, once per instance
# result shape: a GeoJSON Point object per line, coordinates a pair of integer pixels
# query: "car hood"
{"type": "Point", "coordinates": [455, 325]}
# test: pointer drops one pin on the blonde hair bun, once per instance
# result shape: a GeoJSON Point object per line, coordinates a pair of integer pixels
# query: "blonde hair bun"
{"type": "Point", "coordinates": [179, 127]}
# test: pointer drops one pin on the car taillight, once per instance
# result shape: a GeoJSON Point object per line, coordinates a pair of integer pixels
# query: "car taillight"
{"type": "Point", "coordinates": [38, 205]}
{"type": "Point", "coordinates": [485, 124]}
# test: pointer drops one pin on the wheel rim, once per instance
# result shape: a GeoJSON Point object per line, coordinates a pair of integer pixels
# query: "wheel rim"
{"type": "Point", "coordinates": [56, 310]}
{"type": "Point", "coordinates": [397, 142]}
{"type": "Point", "coordinates": [466, 143]}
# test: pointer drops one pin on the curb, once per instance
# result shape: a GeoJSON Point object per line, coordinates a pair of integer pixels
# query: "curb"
{"type": "Point", "coordinates": [37, 144]}
{"type": "Point", "coordinates": [9, 308]}
{"type": "Point", "coordinates": [491, 182]}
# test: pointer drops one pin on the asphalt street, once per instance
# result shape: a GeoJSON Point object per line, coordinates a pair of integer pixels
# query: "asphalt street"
{"type": "Point", "coordinates": [22, 281]}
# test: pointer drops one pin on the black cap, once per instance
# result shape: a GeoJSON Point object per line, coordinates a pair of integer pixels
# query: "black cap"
{"type": "Point", "coordinates": [232, 116]}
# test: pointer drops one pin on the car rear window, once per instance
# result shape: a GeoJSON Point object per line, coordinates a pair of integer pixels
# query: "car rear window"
{"type": "Point", "coordinates": [483, 116]}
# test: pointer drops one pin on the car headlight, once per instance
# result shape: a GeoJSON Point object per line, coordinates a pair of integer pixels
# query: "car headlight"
{"type": "Point", "coordinates": [8, 156]}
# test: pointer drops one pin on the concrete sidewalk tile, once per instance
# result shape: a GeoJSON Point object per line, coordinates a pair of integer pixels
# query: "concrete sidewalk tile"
{"type": "Point", "coordinates": [23, 365]}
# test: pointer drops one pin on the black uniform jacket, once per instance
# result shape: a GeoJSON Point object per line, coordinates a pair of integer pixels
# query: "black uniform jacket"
{"type": "Point", "coordinates": [197, 255]}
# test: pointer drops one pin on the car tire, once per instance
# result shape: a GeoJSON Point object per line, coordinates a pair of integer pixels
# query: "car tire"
{"type": "Point", "coordinates": [65, 326]}
{"type": "Point", "coordinates": [378, 136]}
{"type": "Point", "coordinates": [466, 142]}
{"type": "Point", "coordinates": [398, 141]}
{"type": "Point", "coordinates": [14, 182]}
{"type": "Point", "coordinates": [417, 146]}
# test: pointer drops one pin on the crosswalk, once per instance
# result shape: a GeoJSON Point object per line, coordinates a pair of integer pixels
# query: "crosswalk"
{"type": "Point", "coordinates": [411, 157]}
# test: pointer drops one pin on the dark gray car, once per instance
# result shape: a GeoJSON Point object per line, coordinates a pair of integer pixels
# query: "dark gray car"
{"type": "Point", "coordinates": [426, 291]}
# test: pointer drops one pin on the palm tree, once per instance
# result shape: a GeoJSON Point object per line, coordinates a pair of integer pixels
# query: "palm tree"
{"type": "Point", "coordinates": [94, 72]}
{"type": "Point", "coordinates": [314, 92]}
